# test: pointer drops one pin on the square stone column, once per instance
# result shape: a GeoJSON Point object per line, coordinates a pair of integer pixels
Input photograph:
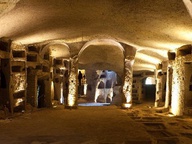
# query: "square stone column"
{"type": "Point", "coordinates": [168, 86]}
{"type": "Point", "coordinates": [178, 88]}
{"type": "Point", "coordinates": [71, 101]}
{"type": "Point", "coordinates": [127, 86]}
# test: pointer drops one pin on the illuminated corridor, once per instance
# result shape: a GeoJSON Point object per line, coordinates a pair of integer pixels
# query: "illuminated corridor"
{"type": "Point", "coordinates": [95, 71]}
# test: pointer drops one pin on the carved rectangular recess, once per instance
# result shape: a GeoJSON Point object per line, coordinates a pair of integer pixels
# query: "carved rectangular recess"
{"type": "Point", "coordinates": [58, 62]}
{"type": "Point", "coordinates": [32, 58]}
{"type": "Point", "coordinates": [20, 94]}
{"type": "Point", "coordinates": [184, 50]}
{"type": "Point", "coordinates": [46, 56]}
{"type": "Point", "coordinates": [4, 46]}
{"type": "Point", "coordinates": [32, 48]}
{"type": "Point", "coordinates": [171, 55]}
{"type": "Point", "coordinates": [18, 54]}
{"type": "Point", "coordinates": [17, 68]}
{"type": "Point", "coordinates": [46, 69]}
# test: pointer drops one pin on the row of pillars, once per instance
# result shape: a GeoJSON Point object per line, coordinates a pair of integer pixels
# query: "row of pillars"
{"type": "Point", "coordinates": [71, 101]}
{"type": "Point", "coordinates": [175, 93]}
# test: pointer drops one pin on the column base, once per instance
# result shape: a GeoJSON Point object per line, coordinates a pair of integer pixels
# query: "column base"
{"type": "Point", "coordinates": [70, 107]}
{"type": "Point", "coordinates": [126, 105]}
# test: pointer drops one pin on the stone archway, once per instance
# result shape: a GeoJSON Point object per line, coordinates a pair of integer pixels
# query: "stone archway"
{"type": "Point", "coordinates": [100, 54]}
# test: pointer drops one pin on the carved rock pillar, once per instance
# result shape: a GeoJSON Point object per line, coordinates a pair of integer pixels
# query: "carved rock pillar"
{"type": "Point", "coordinates": [168, 85]}
{"type": "Point", "coordinates": [73, 87]}
{"type": "Point", "coordinates": [178, 88]}
{"type": "Point", "coordinates": [127, 86]}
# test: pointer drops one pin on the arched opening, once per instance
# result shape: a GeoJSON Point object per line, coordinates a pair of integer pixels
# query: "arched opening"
{"type": "Point", "coordinates": [150, 81]}
{"type": "Point", "coordinates": [103, 61]}
{"type": "Point", "coordinates": [149, 89]}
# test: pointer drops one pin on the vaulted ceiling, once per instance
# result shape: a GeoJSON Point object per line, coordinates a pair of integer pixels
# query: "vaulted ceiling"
{"type": "Point", "coordinates": [153, 27]}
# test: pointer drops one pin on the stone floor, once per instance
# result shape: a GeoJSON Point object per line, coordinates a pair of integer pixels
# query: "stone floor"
{"type": "Point", "coordinates": [96, 125]}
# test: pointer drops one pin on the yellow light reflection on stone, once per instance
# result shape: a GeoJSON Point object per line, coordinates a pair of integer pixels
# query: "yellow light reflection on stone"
{"type": "Point", "coordinates": [178, 87]}
{"type": "Point", "coordinates": [170, 46]}
{"type": "Point", "coordinates": [186, 34]}
{"type": "Point", "coordinates": [147, 58]}
{"type": "Point", "coordinates": [127, 105]}
{"type": "Point", "coordinates": [18, 101]}
{"type": "Point", "coordinates": [71, 100]}
{"type": "Point", "coordinates": [72, 89]}
{"type": "Point", "coordinates": [188, 4]}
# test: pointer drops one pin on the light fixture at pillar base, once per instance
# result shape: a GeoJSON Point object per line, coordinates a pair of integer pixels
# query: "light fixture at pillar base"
{"type": "Point", "coordinates": [126, 105]}
{"type": "Point", "coordinates": [70, 107]}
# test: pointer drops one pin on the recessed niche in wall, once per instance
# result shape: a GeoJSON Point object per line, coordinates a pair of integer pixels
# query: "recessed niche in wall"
{"type": "Point", "coordinates": [190, 86]}
{"type": "Point", "coordinates": [159, 74]}
{"type": "Point", "coordinates": [46, 69]}
{"type": "Point", "coordinates": [184, 50]}
{"type": "Point", "coordinates": [137, 75]}
{"type": "Point", "coordinates": [159, 66]}
{"type": "Point", "coordinates": [134, 91]}
{"type": "Point", "coordinates": [16, 68]}
{"type": "Point", "coordinates": [58, 62]}
{"type": "Point", "coordinates": [32, 49]}
{"type": "Point", "coordinates": [32, 58]}
{"type": "Point", "coordinates": [46, 56]}
{"type": "Point", "coordinates": [57, 80]}
{"type": "Point", "coordinates": [57, 71]}
{"type": "Point", "coordinates": [18, 54]}
{"type": "Point", "coordinates": [20, 107]}
{"type": "Point", "coordinates": [171, 55]}
{"type": "Point", "coordinates": [38, 67]}
{"type": "Point", "coordinates": [19, 94]}
{"type": "Point", "coordinates": [66, 63]}
{"type": "Point", "coordinates": [4, 46]}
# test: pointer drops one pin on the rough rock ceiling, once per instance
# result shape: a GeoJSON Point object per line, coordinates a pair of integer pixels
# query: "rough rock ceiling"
{"type": "Point", "coordinates": [152, 26]}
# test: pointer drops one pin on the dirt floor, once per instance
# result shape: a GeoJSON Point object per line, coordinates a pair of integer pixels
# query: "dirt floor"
{"type": "Point", "coordinates": [96, 125]}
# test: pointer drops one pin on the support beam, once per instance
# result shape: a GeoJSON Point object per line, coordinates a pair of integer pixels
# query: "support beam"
{"type": "Point", "coordinates": [168, 86]}
{"type": "Point", "coordinates": [127, 86]}
{"type": "Point", "coordinates": [73, 89]}
{"type": "Point", "coordinates": [178, 89]}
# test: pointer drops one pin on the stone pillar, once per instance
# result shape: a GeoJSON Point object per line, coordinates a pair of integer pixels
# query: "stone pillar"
{"type": "Point", "coordinates": [48, 100]}
{"type": "Point", "coordinates": [66, 86]}
{"type": "Point", "coordinates": [178, 89]}
{"type": "Point", "coordinates": [73, 87]}
{"type": "Point", "coordinates": [157, 95]}
{"type": "Point", "coordinates": [168, 86]}
{"type": "Point", "coordinates": [140, 95]}
{"type": "Point", "coordinates": [32, 89]}
{"type": "Point", "coordinates": [127, 86]}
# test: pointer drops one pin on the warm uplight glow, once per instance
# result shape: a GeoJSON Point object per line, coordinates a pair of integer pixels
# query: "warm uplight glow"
{"type": "Point", "coordinates": [178, 87]}
{"type": "Point", "coordinates": [61, 96]}
{"type": "Point", "coordinates": [85, 89]}
{"type": "Point", "coordinates": [147, 58]}
{"type": "Point", "coordinates": [72, 89]}
{"type": "Point", "coordinates": [187, 35]}
{"type": "Point", "coordinates": [52, 90]}
{"type": "Point", "coordinates": [170, 46]}
{"type": "Point", "coordinates": [18, 101]}
{"type": "Point", "coordinates": [182, 33]}
{"type": "Point", "coordinates": [62, 68]}
{"type": "Point", "coordinates": [127, 105]}
{"type": "Point", "coordinates": [137, 66]}
{"type": "Point", "coordinates": [150, 81]}
{"type": "Point", "coordinates": [71, 100]}
{"type": "Point", "coordinates": [188, 4]}
{"type": "Point", "coordinates": [128, 97]}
